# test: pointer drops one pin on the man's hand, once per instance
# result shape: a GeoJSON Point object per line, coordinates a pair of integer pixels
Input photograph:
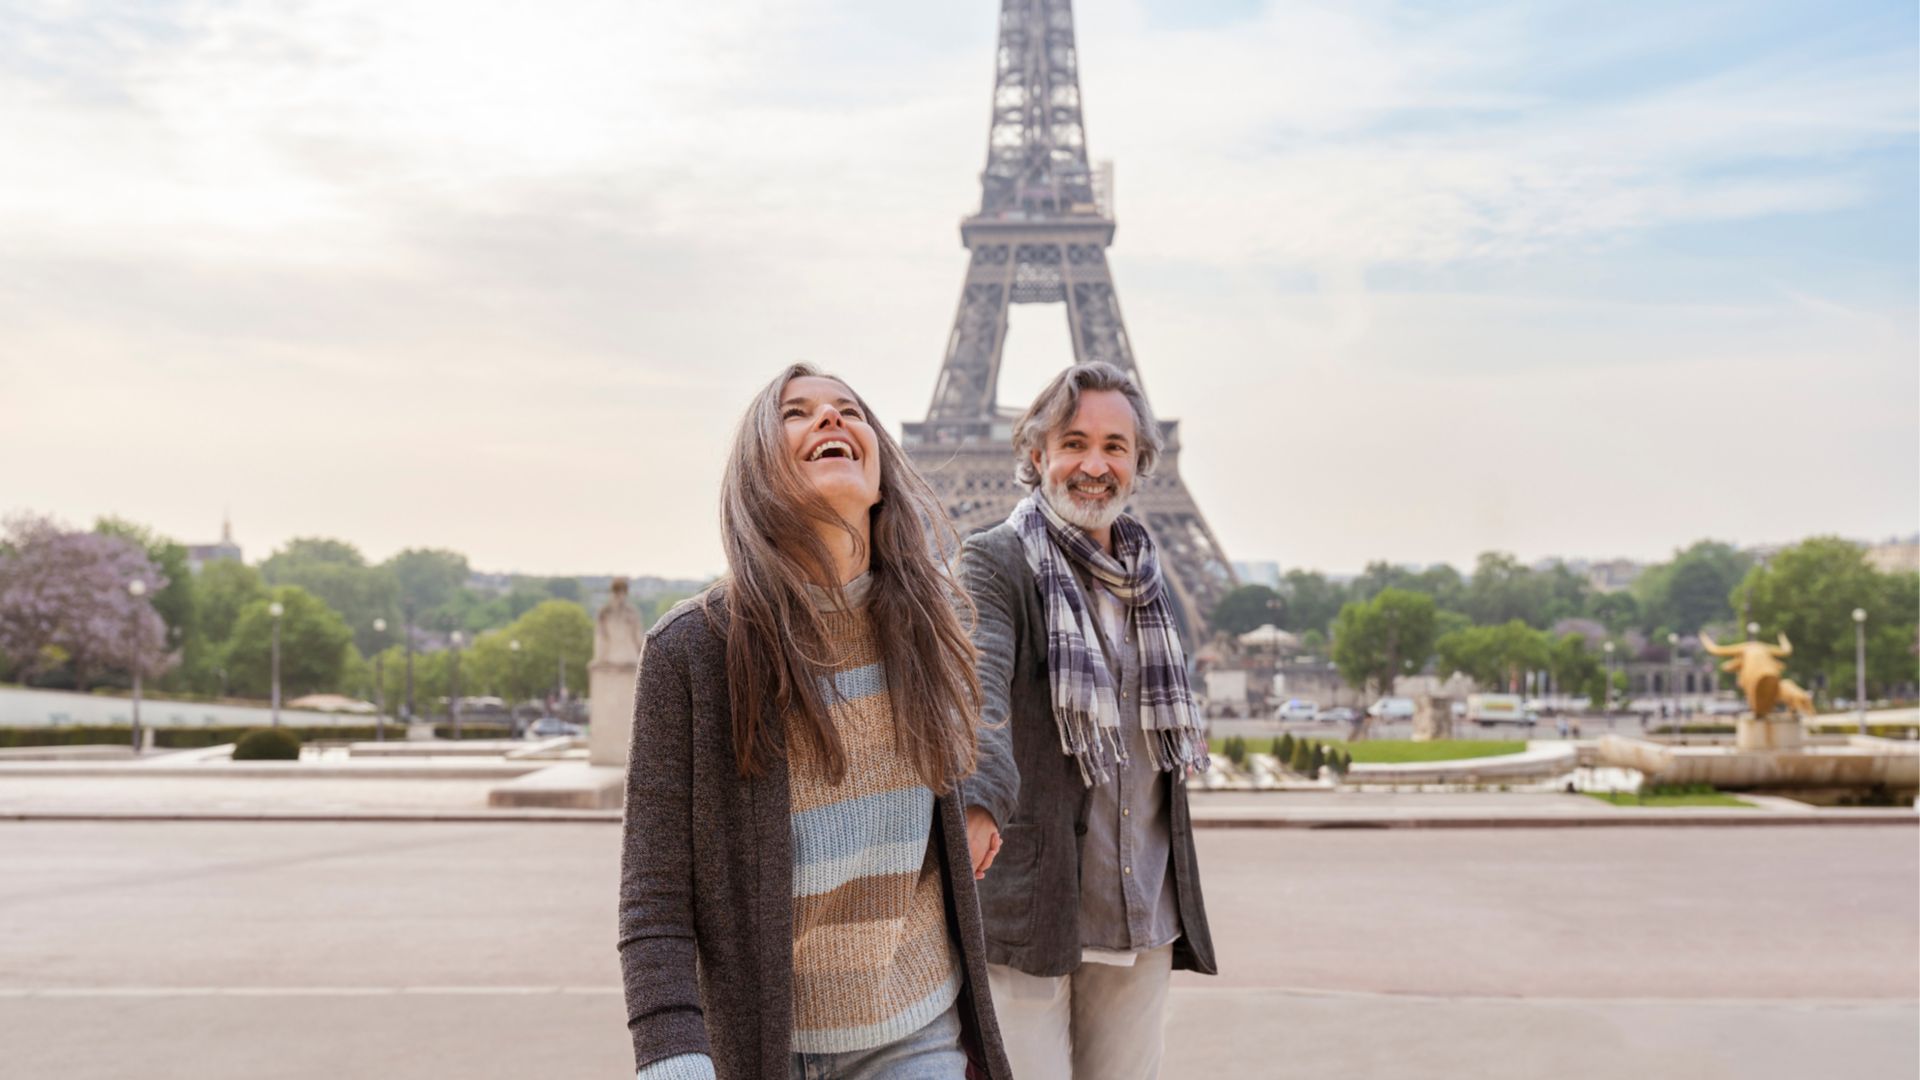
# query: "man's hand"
{"type": "Point", "coordinates": [983, 840]}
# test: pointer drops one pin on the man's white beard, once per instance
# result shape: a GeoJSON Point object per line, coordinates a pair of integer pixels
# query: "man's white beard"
{"type": "Point", "coordinates": [1089, 518]}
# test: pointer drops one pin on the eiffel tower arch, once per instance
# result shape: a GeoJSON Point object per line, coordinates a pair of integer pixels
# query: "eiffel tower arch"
{"type": "Point", "coordinates": [1041, 237]}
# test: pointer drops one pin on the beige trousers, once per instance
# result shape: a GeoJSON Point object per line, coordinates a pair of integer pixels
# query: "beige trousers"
{"type": "Point", "coordinates": [1102, 1022]}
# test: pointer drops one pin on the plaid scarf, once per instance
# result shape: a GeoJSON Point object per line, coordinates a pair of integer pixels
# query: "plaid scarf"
{"type": "Point", "coordinates": [1084, 705]}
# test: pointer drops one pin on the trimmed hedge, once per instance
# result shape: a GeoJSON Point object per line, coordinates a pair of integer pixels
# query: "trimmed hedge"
{"type": "Point", "coordinates": [177, 738]}
{"type": "Point", "coordinates": [474, 729]}
{"type": "Point", "coordinates": [267, 744]}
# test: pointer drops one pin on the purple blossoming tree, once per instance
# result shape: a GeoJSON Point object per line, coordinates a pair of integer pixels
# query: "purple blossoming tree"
{"type": "Point", "coordinates": [64, 598]}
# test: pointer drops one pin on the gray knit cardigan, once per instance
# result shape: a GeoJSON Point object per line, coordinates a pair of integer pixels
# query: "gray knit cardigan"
{"type": "Point", "coordinates": [706, 873]}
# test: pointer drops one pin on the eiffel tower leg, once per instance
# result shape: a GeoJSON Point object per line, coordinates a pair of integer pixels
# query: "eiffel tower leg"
{"type": "Point", "coordinates": [1093, 311]}
{"type": "Point", "coordinates": [971, 372]}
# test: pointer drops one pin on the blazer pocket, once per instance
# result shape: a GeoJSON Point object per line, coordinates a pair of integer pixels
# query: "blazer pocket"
{"type": "Point", "coordinates": [1007, 893]}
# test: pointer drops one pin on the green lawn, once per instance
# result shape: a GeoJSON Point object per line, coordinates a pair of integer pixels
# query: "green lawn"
{"type": "Point", "coordinates": [1398, 751]}
{"type": "Point", "coordinates": [1696, 798]}
{"type": "Point", "coordinates": [1403, 751]}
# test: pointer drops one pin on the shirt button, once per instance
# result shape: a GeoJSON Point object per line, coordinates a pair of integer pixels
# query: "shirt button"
{"type": "Point", "coordinates": [1128, 870]}
{"type": "Point", "coordinates": [1126, 811]}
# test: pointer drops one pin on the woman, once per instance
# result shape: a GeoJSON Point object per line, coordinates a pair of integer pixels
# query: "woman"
{"type": "Point", "coordinates": [797, 890]}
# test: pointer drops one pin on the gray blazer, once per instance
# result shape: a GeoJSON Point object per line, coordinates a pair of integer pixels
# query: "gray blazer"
{"type": "Point", "coordinates": [706, 878]}
{"type": "Point", "coordinates": [1030, 899]}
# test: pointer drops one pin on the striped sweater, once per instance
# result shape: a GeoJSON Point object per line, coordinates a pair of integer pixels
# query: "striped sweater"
{"type": "Point", "coordinates": [872, 960]}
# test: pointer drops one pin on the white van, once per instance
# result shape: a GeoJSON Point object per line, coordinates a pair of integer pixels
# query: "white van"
{"type": "Point", "coordinates": [1391, 708]}
{"type": "Point", "coordinates": [1498, 709]}
{"type": "Point", "coordinates": [1295, 709]}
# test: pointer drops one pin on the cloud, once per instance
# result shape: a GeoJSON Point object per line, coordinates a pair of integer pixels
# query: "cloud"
{"type": "Point", "coordinates": [309, 258]}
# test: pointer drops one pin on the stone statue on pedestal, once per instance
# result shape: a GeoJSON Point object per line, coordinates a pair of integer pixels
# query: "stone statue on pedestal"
{"type": "Point", "coordinates": [618, 639]}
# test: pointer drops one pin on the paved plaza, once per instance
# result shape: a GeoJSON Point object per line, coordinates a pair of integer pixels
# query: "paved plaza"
{"type": "Point", "coordinates": [415, 951]}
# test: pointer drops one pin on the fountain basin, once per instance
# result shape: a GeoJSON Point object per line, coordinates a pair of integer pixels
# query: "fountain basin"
{"type": "Point", "coordinates": [1863, 763]}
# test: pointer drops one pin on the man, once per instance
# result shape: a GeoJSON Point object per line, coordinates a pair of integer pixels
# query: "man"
{"type": "Point", "coordinates": [1089, 730]}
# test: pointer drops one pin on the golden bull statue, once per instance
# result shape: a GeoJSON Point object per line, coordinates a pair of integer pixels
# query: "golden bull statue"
{"type": "Point", "coordinates": [1756, 667]}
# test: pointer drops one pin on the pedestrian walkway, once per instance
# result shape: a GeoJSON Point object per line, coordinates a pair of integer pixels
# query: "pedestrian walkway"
{"type": "Point", "coordinates": [485, 952]}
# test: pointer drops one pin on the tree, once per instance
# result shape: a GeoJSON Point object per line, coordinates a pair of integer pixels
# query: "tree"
{"type": "Point", "coordinates": [335, 572]}
{"type": "Point", "coordinates": [1502, 588]}
{"type": "Point", "coordinates": [1283, 749]}
{"type": "Point", "coordinates": [1617, 611]}
{"type": "Point", "coordinates": [221, 590]}
{"type": "Point", "coordinates": [1246, 608]}
{"type": "Point", "coordinates": [1308, 602]}
{"type": "Point", "coordinates": [1440, 581]}
{"type": "Point", "coordinates": [1313, 643]}
{"type": "Point", "coordinates": [175, 602]}
{"type": "Point", "coordinates": [1301, 759]}
{"type": "Point", "coordinates": [429, 577]}
{"type": "Point", "coordinates": [556, 631]}
{"type": "Point", "coordinates": [1574, 667]}
{"type": "Point", "coordinates": [1388, 636]}
{"type": "Point", "coordinates": [1692, 590]}
{"type": "Point", "coordinates": [430, 671]}
{"type": "Point", "coordinates": [1235, 748]}
{"type": "Point", "coordinates": [1495, 656]}
{"type": "Point", "coordinates": [314, 640]}
{"type": "Point", "coordinates": [64, 600]}
{"type": "Point", "coordinates": [1809, 591]}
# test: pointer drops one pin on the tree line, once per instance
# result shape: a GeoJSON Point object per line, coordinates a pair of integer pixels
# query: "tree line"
{"type": "Point", "coordinates": [1506, 619]}
{"type": "Point", "coordinates": [68, 618]}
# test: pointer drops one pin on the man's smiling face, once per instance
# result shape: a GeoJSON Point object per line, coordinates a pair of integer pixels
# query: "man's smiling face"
{"type": "Point", "coordinates": [1088, 465]}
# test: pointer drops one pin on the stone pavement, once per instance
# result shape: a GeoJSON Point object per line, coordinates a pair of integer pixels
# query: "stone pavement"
{"type": "Point", "coordinates": [221, 790]}
{"type": "Point", "coordinates": [412, 951]}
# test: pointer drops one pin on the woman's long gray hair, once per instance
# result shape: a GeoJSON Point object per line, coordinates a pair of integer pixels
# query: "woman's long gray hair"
{"type": "Point", "coordinates": [777, 644]}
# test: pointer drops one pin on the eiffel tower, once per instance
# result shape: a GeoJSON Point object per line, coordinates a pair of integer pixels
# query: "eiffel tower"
{"type": "Point", "coordinates": [1041, 237]}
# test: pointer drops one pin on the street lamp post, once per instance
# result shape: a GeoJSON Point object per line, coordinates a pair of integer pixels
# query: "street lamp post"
{"type": "Point", "coordinates": [138, 590]}
{"type": "Point", "coordinates": [1673, 675]}
{"type": "Point", "coordinates": [453, 685]}
{"type": "Point", "coordinates": [1608, 649]}
{"type": "Point", "coordinates": [1860, 667]}
{"type": "Point", "coordinates": [276, 609]}
{"type": "Point", "coordinates": [407, 609]}
{"type": "Point", "coordinates": [379, 684]}
{"type": "Point", "coordinates": [513, 683]}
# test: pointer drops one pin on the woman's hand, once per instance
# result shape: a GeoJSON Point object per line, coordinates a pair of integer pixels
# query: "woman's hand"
{"type": "Point", "coordinates": [983, 840]}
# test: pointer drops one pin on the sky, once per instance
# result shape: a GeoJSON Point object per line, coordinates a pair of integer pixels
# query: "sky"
{"type": "Point", "coordinates": [1419, 280]}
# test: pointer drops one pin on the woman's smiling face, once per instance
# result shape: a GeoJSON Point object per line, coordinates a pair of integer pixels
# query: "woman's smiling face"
{"type": "Point", "coordinates": [832, 443]}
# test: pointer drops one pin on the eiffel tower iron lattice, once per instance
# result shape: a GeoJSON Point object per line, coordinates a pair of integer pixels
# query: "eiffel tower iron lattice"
{"type": "Point", "coordinates": [1041, 236]}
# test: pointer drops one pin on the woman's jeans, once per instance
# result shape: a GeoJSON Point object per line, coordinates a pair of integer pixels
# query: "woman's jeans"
{"type": "Point", "coordinates": [932, 1053]}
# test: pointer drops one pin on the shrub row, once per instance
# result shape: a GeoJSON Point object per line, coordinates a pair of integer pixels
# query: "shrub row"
{"type": "Point", "coordinates": [472, 729]}
{"type": "Point", "coordinates": [1304, 756]}
{"type": "Point", "coordinates": [173, 738]}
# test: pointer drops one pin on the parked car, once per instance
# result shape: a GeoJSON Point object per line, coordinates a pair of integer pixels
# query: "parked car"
{"type": "Point", "coordinates": [1295, 709]}
{"type": "Point", "coordinates": [552, 727]}
{"type": "Point", "coordinates": [1339, 714]}
{"type": "Point", "coordinates": [1721, 707]}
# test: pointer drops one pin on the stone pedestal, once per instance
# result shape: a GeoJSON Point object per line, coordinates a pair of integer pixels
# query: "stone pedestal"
{"type": "Point", "coordinates": [1771, 733]}
{"type": "Point", "coordinates": [618, 639]}
{"type": "Point", "coordinates": [1432, 718]}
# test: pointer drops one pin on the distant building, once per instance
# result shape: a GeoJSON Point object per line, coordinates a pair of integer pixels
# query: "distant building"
{"type": "Point", "coordinates": [1613, 575]}
{"type": "Point", "coordinates": [1895, 556]}
{"type": "Point", "coordinates": [1258, 573]}
{"type": "Point", "coordinates": [199, 555]}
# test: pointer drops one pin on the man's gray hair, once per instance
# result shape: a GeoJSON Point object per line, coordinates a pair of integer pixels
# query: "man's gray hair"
{"type": "Point", "coordinates": [1056, 405]}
